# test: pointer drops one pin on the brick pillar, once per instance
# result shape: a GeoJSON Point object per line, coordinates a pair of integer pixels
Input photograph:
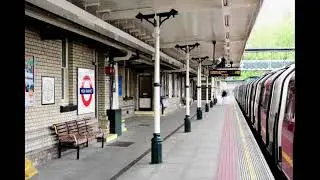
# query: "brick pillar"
{"type": "Point", "coordinates": [103, 93]}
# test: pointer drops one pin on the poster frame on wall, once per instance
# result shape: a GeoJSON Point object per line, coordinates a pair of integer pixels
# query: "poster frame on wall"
{"type": "Point", "coordinates": [79, 96]}
{"type": "Point", "coordinates": [44, 84]}
{"type": "Point", "coordinates": [29, 81]}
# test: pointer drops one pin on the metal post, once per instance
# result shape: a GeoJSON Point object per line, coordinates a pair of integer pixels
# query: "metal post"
{"type": "Point", "coordinates": [156, 142]}
{"type": "Point", "coordinates": [187, 124]}
{"type": "Point", "coordinates": [207, 94]}
{"type": "Point", "coordinates": [187, 49]}
{"type": "Point", "coordinates": [199, 111]}
{"type": "Point", "coordinates": [156, 146]}
{"type": "Point", "coordinates": [157, 82]}
{"type": "Point", "coordinates": [212, 79]}
{"type": "Point", "coordinates": [211, 102]}
{"type": "Point", "coordinates": [198, 74]}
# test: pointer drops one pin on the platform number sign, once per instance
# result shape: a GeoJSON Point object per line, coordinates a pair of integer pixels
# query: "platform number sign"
{"type": "Point", "coordinates": [86, 91]}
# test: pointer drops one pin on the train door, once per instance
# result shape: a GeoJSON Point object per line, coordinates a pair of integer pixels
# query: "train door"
{"type": "Point", "coordinates": [257, 103]}
{"type": "Point", "coordinates": [285, 134]}
{"type": "Point", "coordinates": [280, 87]}
{"type": "Point", "coordinates": [267, 92]}
{"type": "Point", "coordinates": [253, 96]}
{"type": "Point", "coordinates": [249, 98]}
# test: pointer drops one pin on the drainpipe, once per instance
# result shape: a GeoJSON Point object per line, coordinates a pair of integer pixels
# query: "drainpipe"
{"type": "Point", "coordinates": [114, 100]}
{"type": "Point", "coordinates": [124, 58]}
{"type": "Point", "coordinates": [114, 113]}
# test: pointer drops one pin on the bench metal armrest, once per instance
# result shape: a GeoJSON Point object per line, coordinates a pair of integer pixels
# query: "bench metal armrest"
{"type": "Point", "coordinates": [67, 138]}
{"type": "Point", "coordinates": [101, 131]}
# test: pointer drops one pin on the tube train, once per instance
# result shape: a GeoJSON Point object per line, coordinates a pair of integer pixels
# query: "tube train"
{"type": "Point", "coordinates": [268, 103]}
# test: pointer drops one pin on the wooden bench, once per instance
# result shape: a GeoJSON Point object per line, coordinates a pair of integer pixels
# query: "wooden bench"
{"type": "Point", "coordinates": [90, 128]}
{"type": "Point", "coordinates": [69, 138]}
{"type": "Point", "coordinates": [72, 134]}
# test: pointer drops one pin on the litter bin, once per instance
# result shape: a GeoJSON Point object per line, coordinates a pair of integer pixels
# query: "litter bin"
{"type": "Point", "coordinates": [114, 116]}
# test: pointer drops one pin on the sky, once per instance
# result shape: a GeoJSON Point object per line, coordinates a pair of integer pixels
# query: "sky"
{"type": "Point", "coordinates": [273, 11]}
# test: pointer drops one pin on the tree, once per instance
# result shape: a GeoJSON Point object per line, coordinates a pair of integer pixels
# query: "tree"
{"type": "Point", "coordinates": [278, 35]}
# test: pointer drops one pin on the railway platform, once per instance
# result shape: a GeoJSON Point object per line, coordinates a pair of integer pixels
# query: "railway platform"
{"type": "Point", "coordinates": [220, 146]}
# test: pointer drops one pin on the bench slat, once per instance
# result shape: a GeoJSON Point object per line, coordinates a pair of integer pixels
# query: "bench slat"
{"type": "Point", "coordinates": [72, 126]}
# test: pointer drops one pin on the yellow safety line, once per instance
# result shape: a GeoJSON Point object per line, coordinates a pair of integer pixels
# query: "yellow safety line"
{"type": "Point", "coordinates": [30, 170]}
{"type": "Point", "coordinates": [248, 158]}
{"type": "Point", "coordinates": [111, 137]}
{"type": "Point", "coordinates": [287, 158]}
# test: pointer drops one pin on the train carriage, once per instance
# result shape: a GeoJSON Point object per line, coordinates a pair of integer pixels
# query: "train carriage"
{"type": "Point", "coordinates": [268, 103]}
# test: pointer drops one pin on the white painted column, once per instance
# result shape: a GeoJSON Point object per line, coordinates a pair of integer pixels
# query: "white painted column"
{"type": "Point", "coordinates": [157, 80]}
{"type": "Point", "coordinates": [187, 95]}
{"type": "Point", "coordinates": [199, 85]}
{"type": "Point", "coordinates": [115, 98]}
{"type": "Point", "coordinates": [200, 79]}
{"type": "Point", "coordinates": [212, 86]}
{"type": "Point", "coordinates": [207, 90]}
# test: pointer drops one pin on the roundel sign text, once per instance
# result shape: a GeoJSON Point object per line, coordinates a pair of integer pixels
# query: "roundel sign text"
{"type": "Point", "coordinates": [86, 97]}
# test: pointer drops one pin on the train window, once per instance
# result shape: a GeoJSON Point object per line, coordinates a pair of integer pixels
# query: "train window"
{"type": "Point", "coordinates": [288, 127]}
{"type": "Point", "coordinates": [258, 102]}
{"type": "Point", "coordinates": [253, 95]}
{"type": "Point", "coordinates": [264, 107]}
{"type": "Point", "coordinates": [267, 89]}
{"type": "Point", "coordinates": [290, 105]}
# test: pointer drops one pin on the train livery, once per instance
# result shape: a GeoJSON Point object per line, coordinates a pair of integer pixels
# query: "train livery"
{"type": "Point", "coordinates": [268, 102]}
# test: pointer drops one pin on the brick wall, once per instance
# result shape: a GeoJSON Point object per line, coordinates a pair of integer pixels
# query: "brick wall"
{"type": "Point", "coordinates": [40, 144]}
{"type": "Point", "coordinates": [127, 106]}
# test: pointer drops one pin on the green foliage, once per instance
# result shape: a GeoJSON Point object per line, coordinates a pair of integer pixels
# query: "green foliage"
{"type": "Point", "coordinates": [277, 36]}
{"type": "Point", "coordinates": [247, 74]}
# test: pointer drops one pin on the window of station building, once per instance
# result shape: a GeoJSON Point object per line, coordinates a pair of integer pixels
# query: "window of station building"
{"type": "Point", "coordinates": [177, 85]}
{"type": "Point", "coordinates": [167, 85]}
{"type": "Point", "coordinates": [64, 72]}
{"type": "Point", "coordinates": [173, 85]}
{"type": "Point", "coordinates": [127, 84]}
{"type": "Point", "coordinates": [162, 87]}
{"type": "Point", "coordinates": [182, 87]}
{"type": "Point", "coordinates": [132, 80]}
{"type": "Point", "coordinates": [128, 79]}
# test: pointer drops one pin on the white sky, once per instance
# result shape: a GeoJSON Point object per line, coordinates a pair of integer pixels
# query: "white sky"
{"type": "Point", "coordinates": [273, 11]}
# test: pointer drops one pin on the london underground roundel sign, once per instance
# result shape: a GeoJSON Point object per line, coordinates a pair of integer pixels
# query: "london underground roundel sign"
{"type": "Point", "coordinates": [83, 91]}
{"type": "Point", "coordinates": [86, 88]}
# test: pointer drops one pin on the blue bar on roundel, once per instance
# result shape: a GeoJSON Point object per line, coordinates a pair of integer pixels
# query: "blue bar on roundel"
{"type": "Point", "coordinates": [86, 90]}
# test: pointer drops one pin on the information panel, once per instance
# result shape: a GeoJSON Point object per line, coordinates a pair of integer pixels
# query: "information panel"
{"type": "Point", "coordinates": [227, 72]}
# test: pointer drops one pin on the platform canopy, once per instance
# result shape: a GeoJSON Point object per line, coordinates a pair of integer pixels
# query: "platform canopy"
{"type": "Point", "coordinates": [228, 22]}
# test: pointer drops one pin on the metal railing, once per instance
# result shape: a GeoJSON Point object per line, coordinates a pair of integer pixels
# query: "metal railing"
{"type": "Point", "coordinates": [264, 65]}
